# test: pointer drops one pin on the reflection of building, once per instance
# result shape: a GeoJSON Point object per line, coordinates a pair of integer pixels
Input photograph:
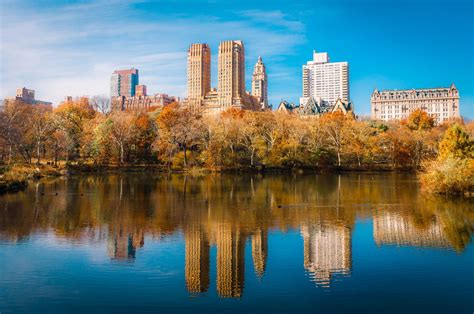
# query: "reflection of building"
{"type": "Point", "coordinates": [197, 259]}
{"type": "Point", "coordinates": [230, 92]}
{"type": "Point", "coordinates": [392, 228]}
{"type": "Point", "coordinates": [440, 103]}
{"type": "Point", "coordinates": [123, 82]}
{"type": "Point", "coordinates": [259, 251]}
{"type": "Point", "coordinates": [325, 81]}
{"type": "Point", "coordinates": [122, 245]}
{"type": "Point", "coordinates": [230, 261]}
{"type": "Point", "coordinates": [327, 251]}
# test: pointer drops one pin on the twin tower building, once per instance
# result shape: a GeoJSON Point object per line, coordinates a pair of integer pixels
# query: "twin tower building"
{"type": "Point", "coordinates": [230, 92]}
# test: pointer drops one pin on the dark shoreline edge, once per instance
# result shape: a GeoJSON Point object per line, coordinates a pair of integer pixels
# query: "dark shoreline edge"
{"type": "Point", "coordinates": [17, 185]}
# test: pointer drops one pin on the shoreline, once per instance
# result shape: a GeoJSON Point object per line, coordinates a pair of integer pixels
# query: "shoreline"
{"type": "Point", "coordinates": [18, 180]}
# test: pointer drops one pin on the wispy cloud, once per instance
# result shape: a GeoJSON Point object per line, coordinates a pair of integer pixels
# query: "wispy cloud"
{"type": "Point", "coordinates": [72, 49]}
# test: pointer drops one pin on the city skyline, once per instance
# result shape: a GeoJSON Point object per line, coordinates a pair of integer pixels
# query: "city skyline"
{"type": "Point", "coordinates": [78, 60]}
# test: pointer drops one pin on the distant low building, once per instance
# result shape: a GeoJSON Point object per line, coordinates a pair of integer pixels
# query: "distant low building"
{"type": "Point", "coordinates": [28, 96]}
{"type": "Point", "coordinates": [311, 108]}
{"type": "Point", "coordinates": [142, 103]}
{"type": "Point", "coordinates": [140, 90]}
{"type": "Point", "coordinates": [440, 103]}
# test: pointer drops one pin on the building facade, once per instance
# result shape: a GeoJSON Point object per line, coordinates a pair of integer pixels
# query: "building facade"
{"type": "Point", "coordinates": [230, 92]}
{"type": "Point", "coordinates": [260, 83]}
{"type": "Point", "coordinates": [311, 108]}
{"type": "Point", "coordinates": [140, 90]}
{"type": "Point", "coordinates": [325, 81]}
{"type": "Point", "coordinates": [199, 73]}
{"type": "Point", "coordinates": [123, 83]}
{"type": "Point", "coordinates": [142, 103]}
{"type": "Point", "coordinates": [231, 73]}
{"type": "Point", "coordinates": [440, 103]}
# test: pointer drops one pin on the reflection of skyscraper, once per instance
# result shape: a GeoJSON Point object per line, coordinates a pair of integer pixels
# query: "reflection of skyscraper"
{"type": "Point", "coordinates": [327, 251]}
{"type": "Point", "coordinates": [230, 261]}
{"type": "Point", "coordinates": [259, 251]}
{"type": "Point", "coordinates": [123, 244]}
{"type": "Point", "coordinates": [392, 228]}
{"type": "Point", "coordinates": [197, 259]}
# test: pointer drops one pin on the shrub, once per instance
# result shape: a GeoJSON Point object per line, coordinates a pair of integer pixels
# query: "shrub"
{"type": "Point", "coordinates": [452, 176]}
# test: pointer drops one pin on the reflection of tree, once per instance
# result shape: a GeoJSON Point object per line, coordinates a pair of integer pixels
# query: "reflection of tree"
{"type": "Point", "coordinates": [226, 210]}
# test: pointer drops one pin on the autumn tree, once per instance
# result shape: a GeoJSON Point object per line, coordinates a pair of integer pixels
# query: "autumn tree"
{"type": "Point", "coordinates": [70, 118]}
{"type": "Point", "coordinates": [335, 127]}
{"type": "Point", "coordinates": [39, 124]}
{"type": "Point", "coordinates": [419, 120]}
{"type": "Point", "coordinates": [178, 129]}
{"type": "Point", "coordinates": [456, 143]}
{"type": "Point", "coordinates": [121, 131]}
{"type": "Point", "coordinates": [12, 124]}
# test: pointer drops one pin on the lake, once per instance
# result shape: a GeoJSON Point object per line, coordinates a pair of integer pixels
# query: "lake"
{"type": "Point", "coordinates": [326, 243]}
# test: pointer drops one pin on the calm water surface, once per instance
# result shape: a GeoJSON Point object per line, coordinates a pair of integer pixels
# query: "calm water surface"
{"type": "Point", "coordinates": [351, 243]}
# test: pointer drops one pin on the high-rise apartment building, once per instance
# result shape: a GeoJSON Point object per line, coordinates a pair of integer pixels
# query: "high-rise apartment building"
{"type": "Point", "coordinates": [199, 73]}
{"type": "Point", "coordinates": [325, 81]}
{"type": "Point", "coordinates": [260, 83]}
{"type": "Point", "coordinates": [123, 83]}
{"type": "Point", "coordinates": [231, 73]}
{"type": "Point", "coordinates": [440, 103]}
{"type": "Point", "coordinates": [230, 91]}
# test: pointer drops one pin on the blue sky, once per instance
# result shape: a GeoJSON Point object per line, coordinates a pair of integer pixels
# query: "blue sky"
{"type": "Point", "coordinates": [64, 48]}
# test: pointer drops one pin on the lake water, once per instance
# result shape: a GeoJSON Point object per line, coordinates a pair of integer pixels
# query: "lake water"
{"type": "Point", "coordinates": [327, 243]}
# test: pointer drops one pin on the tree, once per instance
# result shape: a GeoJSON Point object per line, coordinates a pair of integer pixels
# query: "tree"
{"type": "Point", "coordinates": [179, 129]}
{"type": "Point", "coordinates": [101, 103]}
{"type": "Point", "coordinates": [456, 143]}
{"type": "Point", "coordinates": [121, 130]}
{"type": "Point", "coordinates": [70, 118]}
{"type": "Point", "coordinates": [419, 120]}
{"type": "Point", "coordinates": [40, 127]}
{"type": "Point", "coordinates": [335, 127]}
{"type": "Point", "coordinates": [11, 124]}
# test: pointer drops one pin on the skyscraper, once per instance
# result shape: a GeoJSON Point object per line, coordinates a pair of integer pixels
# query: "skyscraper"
{"type": "Point", "coordinates": [231, 73]}
{"type": "Point", "coordinates": [123, 82]}
{"type": "Point", "coordinates": [230, 91]}
{"type": "Point", "coordinates": [260, 83]}
{"type": "Point", "coordinates": [199, 73]}
{"type": "Point", "coordinates": [325, 81]}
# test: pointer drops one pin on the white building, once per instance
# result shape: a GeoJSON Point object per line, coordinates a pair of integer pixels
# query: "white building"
{"type": "Point", "coordinates": [440, 103]}
{"type": "Point", "coordinates": [325, 81]}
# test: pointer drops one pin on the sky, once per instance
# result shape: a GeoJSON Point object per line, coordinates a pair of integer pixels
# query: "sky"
{"type": "Point", "coordinates": [61, 48]}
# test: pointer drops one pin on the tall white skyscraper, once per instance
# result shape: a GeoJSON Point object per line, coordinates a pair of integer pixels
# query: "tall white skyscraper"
{"type": "Point", "coordinates": [325, 81]}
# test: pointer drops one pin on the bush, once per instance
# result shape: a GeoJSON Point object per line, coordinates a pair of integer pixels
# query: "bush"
{"type": "Point", "coordinates": [452, 176]}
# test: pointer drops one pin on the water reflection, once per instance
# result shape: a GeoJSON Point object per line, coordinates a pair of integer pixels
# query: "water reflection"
{"type": "Point", "coordinates": [230, 212]}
